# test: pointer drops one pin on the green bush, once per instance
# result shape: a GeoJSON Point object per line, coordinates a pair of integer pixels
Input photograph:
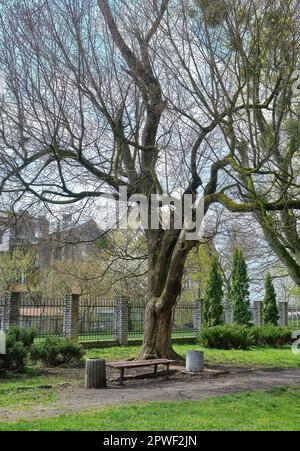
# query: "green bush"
{"type": "Point", "coordinates": [243, 337]}
{"type": "Point", "coordinates": [227, 337]}
{"type": "Point", "coordinates": [57, 351]}
{"type": "Point", "coordinates": [18, 344]}
{"type": "Point", "coordinates": [21, 334]}
{"type": "Point", "coordinates": [270, 335]}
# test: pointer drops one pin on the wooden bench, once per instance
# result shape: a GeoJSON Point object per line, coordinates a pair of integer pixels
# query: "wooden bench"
{"type": "Point", "coordinates": [122, 366]}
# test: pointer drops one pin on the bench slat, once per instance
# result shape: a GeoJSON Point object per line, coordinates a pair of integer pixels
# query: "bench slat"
{"type": "Point", "coordinates": [140, 363]}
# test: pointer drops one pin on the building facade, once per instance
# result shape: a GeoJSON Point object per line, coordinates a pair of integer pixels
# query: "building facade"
{"type": "Point", "coordinates": [50, 242]}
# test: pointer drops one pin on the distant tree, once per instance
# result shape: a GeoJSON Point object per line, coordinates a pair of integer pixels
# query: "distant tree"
{"type": "Point", "coordinates": [270, 310]}
{"type": "Point", "coordinates": [212, 308]}
{"type": "Point", "coordinates": [115, 268]}
{"type": "Point", "coordinates": [240, 289]}
{"type": "Point", "coordinates": [196, 273]}
{"type": "Point", "coordinates": [14, 266]}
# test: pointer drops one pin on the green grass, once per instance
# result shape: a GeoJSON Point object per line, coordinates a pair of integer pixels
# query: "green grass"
{"type": "Point", "coordinates": [26, 396]}
{"type": "Point", "coordinates": [278, 409]}
{"type": "Point", "coordinates": [268, 357]}
{"type": "Point", "coordinates": [294, 324]}
{"type": "Point", "coordinates": [22, 390]}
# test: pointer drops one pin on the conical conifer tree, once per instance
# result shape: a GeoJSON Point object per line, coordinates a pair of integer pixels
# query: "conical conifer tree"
{"type": "Point", "coordinates": [239, 292]}
{"type": "Point", "coordinates": [212, 307]}
{"type": "Point", "coordinates": [270, 310]}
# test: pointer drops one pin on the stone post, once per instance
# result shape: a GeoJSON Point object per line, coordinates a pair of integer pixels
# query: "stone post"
{"type": "Point", "coordinates": [121, 320]}
{"type": "Point", "coordinates": [228, 312]}
{"type": "Point", "coordinates": [11, 313]}
{"type": "Point", "coordinates": [283, 314]}
{"type": "Point", "coordinates": [257, 313]}
{"type": "Point", "coordinates": [71, 316]}
{"type": "Point", "coordinates": [197, 320]}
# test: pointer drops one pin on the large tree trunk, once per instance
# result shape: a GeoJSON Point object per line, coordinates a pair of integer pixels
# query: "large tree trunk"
{"type": "Point", "coordinates": [167, 256]}
{"type": "Point", "coordinates": [157, 333]}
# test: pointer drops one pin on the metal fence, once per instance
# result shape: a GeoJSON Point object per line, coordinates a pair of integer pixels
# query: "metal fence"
{"type": "Point", "coordinates": [96, 319]}
{"type": "Point", "coordinates": [183, 320]}
{"type": "Point", "coordinates": [294, 316]}
{"type": "Point", "coordinates": [44, 315]}
{"type": "Point", "coordinates": [136, 310]}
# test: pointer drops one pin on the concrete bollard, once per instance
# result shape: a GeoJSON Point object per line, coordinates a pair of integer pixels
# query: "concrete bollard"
{"type": "Point", "coordinates": [195, 361]}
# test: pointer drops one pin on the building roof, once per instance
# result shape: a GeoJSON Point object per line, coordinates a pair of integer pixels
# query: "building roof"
{"type": "Point", "coordinates": [36, 312]}
{"type": "Point", "coordinates": [89, 231]}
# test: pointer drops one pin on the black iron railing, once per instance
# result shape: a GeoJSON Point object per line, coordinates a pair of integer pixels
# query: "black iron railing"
{"type": "Point", "coordinates": [45, 315]}
{"type": "Point", "coordinates": [97, 319]}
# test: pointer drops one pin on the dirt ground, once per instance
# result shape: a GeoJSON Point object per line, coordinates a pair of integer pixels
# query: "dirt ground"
{"type": "Point", "coordinates": [214, 381]}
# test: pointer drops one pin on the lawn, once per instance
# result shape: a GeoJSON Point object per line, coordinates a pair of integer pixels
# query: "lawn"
{"type": "Point", "coordinates": [267, 357]}
{"type": "Point", "coordinates": [22, 396]}
{"type": "Point", "coordinates": [26, 390]}
{"type": "Point", "coordinates": [278, 409]}
{"type": "Point", "coordinates": [294, 324]}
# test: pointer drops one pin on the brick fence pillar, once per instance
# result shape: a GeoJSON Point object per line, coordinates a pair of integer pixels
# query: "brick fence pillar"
{"type": "Point", "coordinates": [71, 316]}
{"type": "Point", "coordinates": [121, 320]}
{"type": "Point", "coordinates": [197, 319]}
{"type": "Point", "coordinates": [228, 312]}
{"type": "Point", "coordinates": [283, 310]}
{"type": "Point", "coordinates": [11, 313]}
{"type": "Point", "coordinates": [257, 313]}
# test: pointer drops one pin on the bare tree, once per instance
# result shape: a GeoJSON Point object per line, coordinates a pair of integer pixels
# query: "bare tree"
{"type": "Point", "coordinates": [241, 230]}
{"type": "Point", "coordinates": [103, 94]}
{"type": "Point", "coordinates": [262, 134]}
